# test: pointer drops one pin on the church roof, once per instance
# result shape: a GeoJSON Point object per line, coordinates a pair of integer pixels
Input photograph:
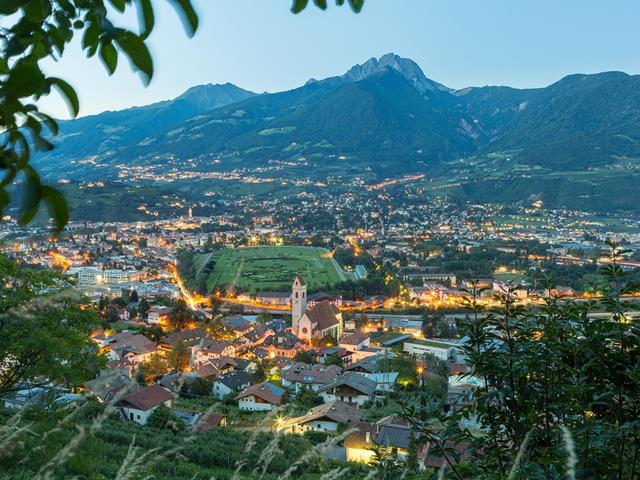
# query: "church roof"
{"type": "Point", "coordinates": [300, 280]}
{"type": "Point", "coordinates": [323, 315]}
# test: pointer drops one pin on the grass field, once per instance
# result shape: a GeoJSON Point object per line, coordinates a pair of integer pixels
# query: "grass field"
{"type": "Point", "coordinates": [270, 268]}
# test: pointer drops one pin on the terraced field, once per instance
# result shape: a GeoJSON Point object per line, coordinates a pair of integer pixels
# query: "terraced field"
{"type": "Point", "coordinates": [265, 268]}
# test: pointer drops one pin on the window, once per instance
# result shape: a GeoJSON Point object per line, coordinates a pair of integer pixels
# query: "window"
{"type": "Point", "coordinates": [296, 295]}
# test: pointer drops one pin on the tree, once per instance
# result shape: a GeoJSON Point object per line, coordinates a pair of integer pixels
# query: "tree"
{"type": "Point", "coordinates": [304, 356]}
{"type": "Point", "coordinates": [180, 315]}
{"type": "Point", "coordinates": [260, 374]}
{"type": "Point", "coordinates": [143, 307]}
{"type": "Point", "coordinates": [133, 296]}
{"type": "Point", "coordinates": [112, 315]}
{"type": "Point", "coordinates": [551, 378]}
{"type": "Point", "coordinates": [163, 418]}
{"type": "Point", "coordinates": [155, 366]}
{"type": "Point", "coordinates": [334, 360]}
{"type": "Point", "coordinates": [179, 357]}
{"type": "Point", "coordinates": [200, 387]}
{"type": "Point", "coordinates": [307, 399]}
{"type": "Point", "coordinates": [404, 365]}
{"type": "Point", "coordinates": [44, 330]}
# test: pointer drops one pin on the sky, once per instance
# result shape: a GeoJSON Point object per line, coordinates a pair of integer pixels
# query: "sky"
{"type": "Point", "coordinates": [261, 46]}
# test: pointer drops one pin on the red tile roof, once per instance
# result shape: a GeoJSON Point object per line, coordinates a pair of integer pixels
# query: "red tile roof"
{"type": "Point", "coordinates": [147, 398]}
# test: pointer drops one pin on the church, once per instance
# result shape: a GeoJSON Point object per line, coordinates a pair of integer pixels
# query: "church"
{"type": "Point", "coordinates": [322, 320]}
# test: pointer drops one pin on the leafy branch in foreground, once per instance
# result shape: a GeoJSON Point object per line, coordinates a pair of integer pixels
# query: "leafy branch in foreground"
{"type": "Point", "coordinates": [36, 30]}
{"type": "Point", "coordinates": [300, 5]}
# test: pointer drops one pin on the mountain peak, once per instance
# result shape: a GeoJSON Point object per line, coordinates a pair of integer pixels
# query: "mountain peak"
{"type": "Point", "coordinates": [213, 95]}
{"type": "Point", "coordinates": [404, 66]}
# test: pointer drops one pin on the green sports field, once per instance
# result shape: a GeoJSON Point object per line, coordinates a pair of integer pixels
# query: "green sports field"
{"type": "Point", "coordinates": [269, 268]}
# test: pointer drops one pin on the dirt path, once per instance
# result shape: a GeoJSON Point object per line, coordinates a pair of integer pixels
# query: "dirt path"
{"type": "Point", "coordinates": [236, 277]}
{"type": "Point", "coordinates": [208, 259]}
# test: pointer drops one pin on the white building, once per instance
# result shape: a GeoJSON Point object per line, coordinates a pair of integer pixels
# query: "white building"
{"type": "Point", "coordinates": [95, 276]}
{"type": "Point", "coordinates": [158, 315]}
{"type": "Point", "coordinates": [137, 406]}
{"type": "Point", "coordinates": [441, 350]}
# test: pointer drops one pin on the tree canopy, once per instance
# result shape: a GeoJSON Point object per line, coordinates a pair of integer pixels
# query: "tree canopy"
{"type": "Point", "coordinates": [44, 330]}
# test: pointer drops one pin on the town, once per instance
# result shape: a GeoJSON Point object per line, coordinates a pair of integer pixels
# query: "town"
{"type": "Point", "coordinates": [256, 321]}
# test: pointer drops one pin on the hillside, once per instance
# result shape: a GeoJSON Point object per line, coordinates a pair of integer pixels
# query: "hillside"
{"type": "Point", "coordinates": [384, 116]}
{"type": "Point", "coordinates": [106, 132]}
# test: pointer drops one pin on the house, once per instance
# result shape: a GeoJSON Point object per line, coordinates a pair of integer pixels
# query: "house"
{"type": "Point", "coordinates": [158, 315]}
{"type": "Point", "coordinates": [238, 325]}
{"type": "Point", "coordinates": [188, 418]}
{"type": "Point", "coordinates": [274, 298]}
{"type": "Point", "coordinates": [137, 406]}
{"type": "Point", "coordinates": [282, 344]}
{"type": "Point", "coordinates": [370, 368]}
{"type": "Point", "coordinates": [300, 376]}
{"type": "Point", "coordinates": [461, 389]}
{"type": "Point", "coordinates": [261, 397]}
{"type": "Point", "coordinates": [191, 338]}
{"type": "Point", "coordinates": [391, 432]}
{"type": "Point", "coordinates": [321, 321]}
{"type": "Point", "coordinates": [323, 354]}
{"type": "Point", "coordinates": [230, 382]}
{"type": "Point", "coordinates": [350, 388]}
{"type": "Point", "coordinates": [209, 421]}
{"type": "Point", "coordinates": [355, 341]}
{"type": "Point", "coordinates": [323, 418]}
{"type": "Point", "coordinates": [109, 384]}
{"type": "Point", "coordinates": [318, 297]}
{"type": "Point", "coordinates": [129, 346]}
{"type": "Point", "coordinates": [211, 348]}
{"type": "Point", "coordinates": [175, 382]}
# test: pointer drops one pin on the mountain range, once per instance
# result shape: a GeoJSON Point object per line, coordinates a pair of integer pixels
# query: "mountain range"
{"type": "Point", "coordinates": [384, 115]}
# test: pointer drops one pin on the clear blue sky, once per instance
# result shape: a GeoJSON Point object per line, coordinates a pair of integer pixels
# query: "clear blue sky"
{"type": "Point", "coordinates": [261, 46]}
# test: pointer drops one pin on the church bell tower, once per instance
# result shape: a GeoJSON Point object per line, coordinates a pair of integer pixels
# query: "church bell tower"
{"type": "Point", "coordinates": [298, 301]}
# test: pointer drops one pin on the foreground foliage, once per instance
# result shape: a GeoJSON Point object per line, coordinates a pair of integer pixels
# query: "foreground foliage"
{"type": "Point", "coordinates": [44, 330]}
{"type": "Point", "coordinates": [560, 390]}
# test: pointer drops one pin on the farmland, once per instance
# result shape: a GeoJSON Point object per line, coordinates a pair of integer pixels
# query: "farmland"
{"type": "Point", "coordinates": [265, 268]}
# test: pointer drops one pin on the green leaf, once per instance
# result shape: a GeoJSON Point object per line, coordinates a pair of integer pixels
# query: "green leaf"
{"type": "Point", "coordinates": [68, 93]}
{"type": "Point", "coordinates": [91, 34]}
{"type": "Point", "coordinates": [25, 79]}
{"type": "Point", "coordinates": [356, 5]}
{"type": "Point", "coordinates": [57, 206]}
{"type": "Point", "coordinates": [7, 7]}
{"type": "Point", "coordinates": [299, 5]}
{"type": "Point", "coordinates": [31, 196]}
{"type": "Point", "coordinates": [185, 9]}
{"type": "Point", "coordinates": [321, 4]}
{"type": "Point", "coordinates": [4, 199]}
{"type": "Point", "coordinates": [118, 4]}
{"type": "Point", "coordinates": [10, 174]}
{"type": "Point", "coordinates": [147, 16]}
{"type": "Point", "coordinates": [109, 56]}
{"type": "Point", "coordinates": [137, 51]}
